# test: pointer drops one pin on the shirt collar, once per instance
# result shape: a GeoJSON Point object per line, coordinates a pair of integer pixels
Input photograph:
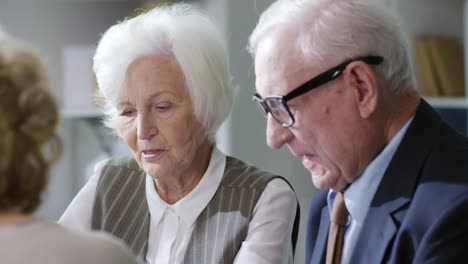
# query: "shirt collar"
{"type": "Point", "coordinates": [189, 207]}
{"type": "Point", "coordinates": [359, 194]}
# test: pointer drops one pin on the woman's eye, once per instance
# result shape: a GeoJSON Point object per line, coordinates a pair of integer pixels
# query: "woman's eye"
{"type": "Point", "coordinates": [162, 107]}
{"type": "Point", "coordinates": [127, 112]}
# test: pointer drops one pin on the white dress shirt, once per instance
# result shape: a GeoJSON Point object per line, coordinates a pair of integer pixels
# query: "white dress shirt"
{"type": "Point", "coordinates": [269, 232]}
{"type": "Point", "coordinates": [359, 194]}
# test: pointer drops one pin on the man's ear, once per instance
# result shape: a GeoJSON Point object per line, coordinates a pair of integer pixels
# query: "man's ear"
{"type": "Point", "coordinates": [362, 80]}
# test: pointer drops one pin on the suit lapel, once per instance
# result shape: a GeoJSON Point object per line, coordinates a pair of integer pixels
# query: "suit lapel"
{"type": "Point", "coordinates": [320, 245]}
{"type": "Point", "coordinates": [396, 188]}
{"type": "Point", "coordinates": [378, 231]}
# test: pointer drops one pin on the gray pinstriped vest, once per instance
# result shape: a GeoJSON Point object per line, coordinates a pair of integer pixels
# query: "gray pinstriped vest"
{"type": "Point", "coordinates": [121, 209]}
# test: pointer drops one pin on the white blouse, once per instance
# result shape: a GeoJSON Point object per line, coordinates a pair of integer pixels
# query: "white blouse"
{"type": "Point", "coordinates": [269, 233]}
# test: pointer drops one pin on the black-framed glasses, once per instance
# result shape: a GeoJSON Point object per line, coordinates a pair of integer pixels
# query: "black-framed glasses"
{"type": "Point", "coordinates": [276, 105]}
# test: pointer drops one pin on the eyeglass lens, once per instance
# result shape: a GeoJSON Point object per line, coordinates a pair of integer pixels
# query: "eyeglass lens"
{"type": "Point", "coordinates": [278, 110]}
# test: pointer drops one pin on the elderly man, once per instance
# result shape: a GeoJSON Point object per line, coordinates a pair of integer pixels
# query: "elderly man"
{"type": "Point", "coordinates": [334, 80]}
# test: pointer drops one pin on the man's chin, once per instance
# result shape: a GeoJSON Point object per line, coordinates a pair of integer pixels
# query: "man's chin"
{"type": "Point", "coordinates": [325, 182]}
{"type": "Point", "coordinates": [321, 181]}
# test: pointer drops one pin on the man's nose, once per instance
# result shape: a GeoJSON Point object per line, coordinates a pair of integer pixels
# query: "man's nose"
{"type": "Point", "coordinates": [276, 134]}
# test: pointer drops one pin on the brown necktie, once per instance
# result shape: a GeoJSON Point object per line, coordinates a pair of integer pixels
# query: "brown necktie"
{"type": "Point", "coordinates": [339, 218]}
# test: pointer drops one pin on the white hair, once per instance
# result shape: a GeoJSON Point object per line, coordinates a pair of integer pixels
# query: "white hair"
{"type": "Point", "coordinates": [197, 45]}
{"type": "Point", "coordinates": [337, 30]}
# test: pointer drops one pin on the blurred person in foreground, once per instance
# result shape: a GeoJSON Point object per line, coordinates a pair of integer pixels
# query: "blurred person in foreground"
{"type": "Point", "coordinates": [334, 80]}
{"type": "Point", "coordinates": [29, 145]}
{"type": "Point", "coordinates": [165, 81]}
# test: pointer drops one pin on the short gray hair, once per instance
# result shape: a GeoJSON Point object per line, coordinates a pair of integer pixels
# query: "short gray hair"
{"type": "Point", "coordinates": [198, 46]}
{"type": "Point", "coordinates": [331, 30]}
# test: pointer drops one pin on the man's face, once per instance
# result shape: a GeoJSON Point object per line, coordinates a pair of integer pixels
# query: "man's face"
{"type": "Point", "coordinates": [326, 132]}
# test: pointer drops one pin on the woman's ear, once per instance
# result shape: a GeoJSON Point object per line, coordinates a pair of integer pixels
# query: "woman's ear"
{"type": "Point", "coordinates": [362, 80]}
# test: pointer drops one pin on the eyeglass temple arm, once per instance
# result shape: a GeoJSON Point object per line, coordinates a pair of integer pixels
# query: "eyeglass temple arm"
{"type": "Point", "coordinates": [330, 75]}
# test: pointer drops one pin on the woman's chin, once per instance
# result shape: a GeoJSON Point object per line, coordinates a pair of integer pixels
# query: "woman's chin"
{"type": "Point", "coordinates": [153, 170]}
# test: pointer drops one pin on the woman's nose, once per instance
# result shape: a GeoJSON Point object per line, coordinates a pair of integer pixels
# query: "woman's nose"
{"type": "Point", "coordinates": [146, 130]}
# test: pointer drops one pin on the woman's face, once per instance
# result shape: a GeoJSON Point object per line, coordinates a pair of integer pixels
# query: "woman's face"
{"type": "Point", "coordinates": [156, 120]}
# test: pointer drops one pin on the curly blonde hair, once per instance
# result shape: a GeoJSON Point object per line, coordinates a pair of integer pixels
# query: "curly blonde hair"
{"type": "Point", "coordinates": [29, 116]}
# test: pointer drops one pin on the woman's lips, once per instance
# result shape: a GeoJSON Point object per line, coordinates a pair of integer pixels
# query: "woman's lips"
{"type": "Point", "coordinates": [152, 154]}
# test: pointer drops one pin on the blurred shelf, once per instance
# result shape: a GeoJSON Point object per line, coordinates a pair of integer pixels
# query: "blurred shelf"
{"type": "Point", "coordinates": [81, 113]}
{"type": "Point", "coordinates": [448, 102]}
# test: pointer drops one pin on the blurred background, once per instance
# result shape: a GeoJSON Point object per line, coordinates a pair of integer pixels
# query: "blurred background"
{"type": "Point", "coordinates": [65, 32]}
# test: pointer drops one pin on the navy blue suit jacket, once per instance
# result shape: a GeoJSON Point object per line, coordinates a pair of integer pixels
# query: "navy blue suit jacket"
{"type": "Point", "coordinates": [419, 213]}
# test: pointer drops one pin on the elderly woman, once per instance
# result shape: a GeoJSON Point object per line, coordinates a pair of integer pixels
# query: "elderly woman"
{"type": "Point", "coordinates": [28, 146]}
{"type": "Point", "coordinates": [165, 80]}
